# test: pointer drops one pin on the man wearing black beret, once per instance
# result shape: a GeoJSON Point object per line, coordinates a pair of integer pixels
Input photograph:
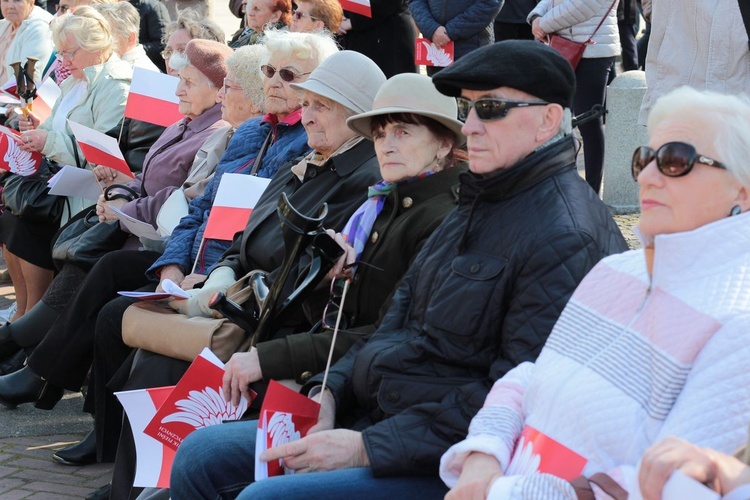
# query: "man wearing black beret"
{"type": "Point", "coordinates": [480, 298]}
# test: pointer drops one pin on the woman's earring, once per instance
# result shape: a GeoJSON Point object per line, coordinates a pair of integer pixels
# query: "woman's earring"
{"type": "Point", "coordinates": [736, 210]}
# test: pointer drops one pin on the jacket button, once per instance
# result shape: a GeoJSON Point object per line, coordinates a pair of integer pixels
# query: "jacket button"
{"type": "Point", "coordinates": [392, 396]}
{"type": "Point", "coordinates": [475, 268]}
{"type": "Point", "coordinates": [374, 237]}
{"type": "Point", "coordinates": [407, 202]}
{"type": "Point", "coordinates": [311, 172]}
{"type": "Point", "coordinates": [305, 376]}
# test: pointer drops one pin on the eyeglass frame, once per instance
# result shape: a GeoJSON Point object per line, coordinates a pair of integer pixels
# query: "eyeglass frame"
{"type": "Point", "coordinates": [224, 86]}
{"type": "Point", "coordinates": [507, 105]}
{"type": "Point", "coordinates": [64, 8]}
{"type": "Point", "coordinates": [166, 54]}
{"type": "Point", "coordinates": [269, 72]}
{"type": "Point", "coordinates": [637, 166]}
{"type": "Point", "coordinates": [69, 55]}
{"type": "Point", "coordinates": [299, 15]}
{"type": "Point", "coordinates": [334, 299]}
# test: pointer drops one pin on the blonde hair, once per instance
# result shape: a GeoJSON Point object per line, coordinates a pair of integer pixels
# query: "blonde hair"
{"type": "Point", "coordinates": [197, 25]}
{"type": "Point", "coordinates": [726, 117]}
{"type": "Point", "coordinates": [89, 29]}
{"type": "Point", "coordinates": [328, 11]}
{"type": "Point", "coordinates": [123, 18]}
{"type": "Point", "coordinates": [245, 63]}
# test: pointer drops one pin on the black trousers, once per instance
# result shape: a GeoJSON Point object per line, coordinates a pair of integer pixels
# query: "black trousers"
{"type": "Point", "coordinates": [591, 76]}
{"type": "Point", "coordinates": [629, 48]}
{"type": "Point", "coordinates": [65, 355]}
{"type": "Point", "coordinates": [512, 31]}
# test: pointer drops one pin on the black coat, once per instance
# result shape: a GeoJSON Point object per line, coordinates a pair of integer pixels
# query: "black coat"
{"type": "Point", "coordinates": [387, 38]}
{"type": "Point", "coordinates": [481, 297]}
{"type": "Point", "coordinates": [410, 214]}
{"type": "Point", "coordinates": [154, 20]}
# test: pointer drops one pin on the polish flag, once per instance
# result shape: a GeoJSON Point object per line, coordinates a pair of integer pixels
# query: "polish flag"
{"type": "Point", "coordinates": [233, 204]}
{"type": "Point", "coordinates": [361, 7]}
{"type": "Point", "coordinates": [154, 464]}
{"type": "Point", "coordinates": [152, 98]}
{"type": "Point", "coordinates": [46, 97]}
{"type": "Point", "coordinates": [99, 148]}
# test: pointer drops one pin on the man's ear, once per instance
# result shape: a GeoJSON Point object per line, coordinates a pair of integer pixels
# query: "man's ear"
{"type": "Point", "coordinates": [743, 199]}
{"type": "Point", "coordinates": [550, 123]}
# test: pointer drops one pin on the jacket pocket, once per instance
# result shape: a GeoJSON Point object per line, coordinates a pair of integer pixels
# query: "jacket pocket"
{"type": "Point", "coordinates": [400, 392]}
{"type": "Point", "coordinates": [460, 302]}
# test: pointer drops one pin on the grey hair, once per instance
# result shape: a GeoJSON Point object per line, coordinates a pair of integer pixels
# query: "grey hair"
{"type": "Point", "coordinates": [87, 26]}
{"type": "Point", "coordinates": [245, 63]}
{"type": "Point", "coordinates": [726, 117]}
{"type": "Point", "coordinates": [197, 25]}
{"type": "Point", "coordinates": [123, 18]}
{"type": "Point", "coordinates": [286, 45]}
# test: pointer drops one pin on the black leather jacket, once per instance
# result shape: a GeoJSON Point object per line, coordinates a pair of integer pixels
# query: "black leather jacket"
{"type": "Point", "coordinates": [481, 297]}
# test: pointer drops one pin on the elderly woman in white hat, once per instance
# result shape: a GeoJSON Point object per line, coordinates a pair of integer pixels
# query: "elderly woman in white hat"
{"type": "Point", "coordinates": [416, 137]}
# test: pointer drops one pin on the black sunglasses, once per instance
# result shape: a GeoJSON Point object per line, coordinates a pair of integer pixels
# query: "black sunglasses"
{"type": "Point", "coordinates": [286, 74]}
{"type": "Point", "coordinates": [490, 108]}
{"type": "Point", "coordinates": [673, 159]}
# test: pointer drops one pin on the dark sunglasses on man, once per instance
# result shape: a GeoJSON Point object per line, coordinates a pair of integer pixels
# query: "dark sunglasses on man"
{"type": "Point", "coordinates": [491, 108]}
{"type": "Point", "coordinates": [673, 159]}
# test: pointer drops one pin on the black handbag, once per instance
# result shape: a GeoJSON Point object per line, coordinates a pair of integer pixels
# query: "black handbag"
{"type": "Point", "coordinates": [28, 197]}
{"type": "Point", "coordinates": [83, 240]}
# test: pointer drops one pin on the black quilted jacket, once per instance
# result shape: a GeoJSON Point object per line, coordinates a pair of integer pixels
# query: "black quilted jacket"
{"type": "Point", "coordinates": [481, 297]}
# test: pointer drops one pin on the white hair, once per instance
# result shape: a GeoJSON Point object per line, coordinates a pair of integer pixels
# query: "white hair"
{"type": "Point", "coordinates": [726, 118]}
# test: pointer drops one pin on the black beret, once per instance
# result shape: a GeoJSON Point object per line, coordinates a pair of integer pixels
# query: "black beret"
{"type": "Point", "coordinates": [525, 65]}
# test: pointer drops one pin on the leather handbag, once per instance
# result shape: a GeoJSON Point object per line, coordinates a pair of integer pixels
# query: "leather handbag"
{"type": "Point", "coordinates": [584, 490]}
{"type": "Point", "coordinates": [573, 51]}
{"type": "Point", "coordinates": [83, 240]}
{"type": "Point", "coordinates": [159, 328]}
{"type": "Point", "coordinates": [28, 197]}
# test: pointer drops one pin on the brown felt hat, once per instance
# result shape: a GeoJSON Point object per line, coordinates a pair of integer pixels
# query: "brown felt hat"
{"type": "Point", "coordinates": [209, 57]}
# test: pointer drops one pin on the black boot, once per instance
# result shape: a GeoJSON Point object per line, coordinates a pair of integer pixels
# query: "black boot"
{"type": "Point", "coordinates": [25, 386]}
{"type": "Point", "coordinates": [8, 346]}
{"type": "Point", "coordinates": [81, 453]}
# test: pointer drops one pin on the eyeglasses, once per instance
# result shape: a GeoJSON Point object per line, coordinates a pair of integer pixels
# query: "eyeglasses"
{"type": "Point", "coordinates": [61, 56]}
{"type": "Point", "coordinates": [166, 54]}
{"type": "Point", "coordinates": [286, 74]}
{"type": "Point", "coordinates": [331, 311]}
{"type": "Point", "coordinates": [227, 86]}
{"type": "Point", "coordinates": [673, 159]}
{"type": "Point", "coordinates": [489, 108]}
{"type": "Point", "coordinates": [299, 15]}
{"type": "Point", "coordinates": [62, 9]}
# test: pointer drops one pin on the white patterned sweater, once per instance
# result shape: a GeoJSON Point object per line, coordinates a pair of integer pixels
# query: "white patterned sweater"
{"type": "Point", "coordinates": [630, 361]}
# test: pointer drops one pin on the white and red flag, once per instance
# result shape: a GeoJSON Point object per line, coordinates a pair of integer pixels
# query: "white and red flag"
{"type": "Point", "coordinates": [99, 148]}
{"type": "Point", "coordinates": [13, 158]}
{"type": "Point", "coordinates": [196, 401]}
{"type": "Point", "coordinates": [234, 202]}
{"type": "Point", "coordinates": [152, 98]}
{"type": "Point", "coordinates": [537, 452]}
{"type": "Point", "coordinates": [285, 416]}
{"type": "Point", "coordinates": [361, 7]}
{"type": "Point", "coordinates": [154, 464]}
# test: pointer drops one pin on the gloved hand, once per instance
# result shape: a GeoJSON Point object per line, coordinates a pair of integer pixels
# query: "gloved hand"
{"type": "Point", "coordinates": [197, 305]}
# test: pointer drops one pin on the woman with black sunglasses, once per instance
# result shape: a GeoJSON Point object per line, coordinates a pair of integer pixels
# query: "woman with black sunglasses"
{"type": "Point", "coordinates": [653, 342]}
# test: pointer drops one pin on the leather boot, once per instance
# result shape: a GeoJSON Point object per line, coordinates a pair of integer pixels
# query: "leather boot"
{"type": "Point", "coordinates": [81, 453]}
{"type": "Point", "coordinates": [29, 330]}
{"type": "Point", "coordinates": [25, 386]}
{"type": "Point", "coordinates": [8, 346]}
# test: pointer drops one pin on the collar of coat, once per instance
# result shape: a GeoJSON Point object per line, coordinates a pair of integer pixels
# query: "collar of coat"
{"type": "Point", "coordinates": [533, 169]}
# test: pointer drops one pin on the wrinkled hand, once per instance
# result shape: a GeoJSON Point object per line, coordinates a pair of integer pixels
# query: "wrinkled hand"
{"type": "Point", "coordinates": [322, 451]}
{"type": "Point", "coordinates": [440, 37]}
{"type": "Point", "coordinates": [338, 271]}
{"type": "Point", "coordinates": [538, 32]}
{"type": "Point", "coordinates": [197, 305]}
{"type": "Point", "coordinates": [108, 176]}
{"type": "Point", "coordinates": [33, 140]}
{"type": "Point", "coordinates": [346, 25]}
{"type": "Point", "coordinates": [191, 280]}
{"type": "Point", "coordinates": [478, 473]}
{"type": "Point", "coordinates": [242, 369]}
{"type": "Point", "coordinates": [104, 208]}
{"type": "Point", "coordinates": [722, 473]}
{"type": "Point", "coordinates": [327, 414]}
{"type": "Point", "coordinates": [26, 123]}
{"type": "Point", "coordinates": [171, 272]}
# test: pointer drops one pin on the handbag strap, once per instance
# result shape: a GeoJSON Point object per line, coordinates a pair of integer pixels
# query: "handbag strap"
{"type": "Point", "coordinates": [584, 491]}
{"type": "Point", "coordinates": [745, 11]}
{"type": "Point", "coordinates": [261, 153]}
{"type": "Point", "coordinates": [75, 152]}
